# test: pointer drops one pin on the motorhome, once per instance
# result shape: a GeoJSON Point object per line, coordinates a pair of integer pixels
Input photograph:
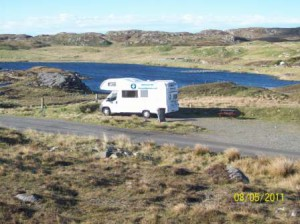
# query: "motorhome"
{"type": "Point", "coordinates": [131, 95]}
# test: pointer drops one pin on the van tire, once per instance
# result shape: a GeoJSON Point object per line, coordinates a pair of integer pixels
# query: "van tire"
{"type": "Point", "coordinates": [106, 111]}
{"type": "Point", "coordinates": [146, 114]}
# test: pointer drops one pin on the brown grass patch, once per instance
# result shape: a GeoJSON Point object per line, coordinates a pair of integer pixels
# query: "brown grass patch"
{"type": "Point", "coordinates": [180, 208]}
{"type": "Point", "coordinates": [282, 167]}
{"type": "Point", "coordinates": [201, 150]}
{"type": "Point", "coordinates": [232, 154]}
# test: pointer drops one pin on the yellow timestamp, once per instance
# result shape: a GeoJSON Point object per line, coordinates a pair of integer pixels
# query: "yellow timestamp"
{"type": "Point", "coordinates": [258, 197]}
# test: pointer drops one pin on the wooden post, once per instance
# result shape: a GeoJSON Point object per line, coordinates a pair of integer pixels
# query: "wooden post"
{"type": "Point", "coordinates": [96, 98]}
{"type": "Point", "coordinates": [42, 103]}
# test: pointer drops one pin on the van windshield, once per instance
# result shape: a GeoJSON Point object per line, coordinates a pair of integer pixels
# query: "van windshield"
{"type": "Point", "coordinates": [112, 96]}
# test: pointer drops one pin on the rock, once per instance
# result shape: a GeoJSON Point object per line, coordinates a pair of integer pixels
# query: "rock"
{"type": "Point", "coordinates": [112, 152]}
{"type": "Point", "coordinates": [68, 81]}
{"type": "Point", "coordinates": [236, 174]}
{"type": "Point", "coordinates": [295, 212]}
{"type": "Point", "coordinates": [55, 78]}
{"type": "Point", "coordinates": [32, 198]}
{"type": "Point", "coordinates": [109, 151]}
{"type": "Point", "coordinates": [282, 63]}
{"type": "Point", "coordinates": [53, 148]}
{"type": "Point", "coordinates": [114, 156]}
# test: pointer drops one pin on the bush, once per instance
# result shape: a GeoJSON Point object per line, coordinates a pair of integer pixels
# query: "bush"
{"type": "Point", "coordinates": [201, 150]}
{"type": "Point", "coordinates": [282, 167]}
{"type": "Point", "coordinates": [89, 108]}
{"type": "Point", "coordinates": [232, 154]}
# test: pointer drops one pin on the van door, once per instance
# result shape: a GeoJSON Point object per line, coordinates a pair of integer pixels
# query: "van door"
{"type": "Point", "coordinates": [112, 102]}
{"type": "Point", "coordinates": [128, 102]}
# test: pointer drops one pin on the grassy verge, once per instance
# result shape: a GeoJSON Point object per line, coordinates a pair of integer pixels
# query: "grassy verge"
{"type": "Point", "coordinates": [89, 113]}
{"type": "Point", "coordinates": [158, 184]}
{"type": "Point", "coordinates": [254, 57]}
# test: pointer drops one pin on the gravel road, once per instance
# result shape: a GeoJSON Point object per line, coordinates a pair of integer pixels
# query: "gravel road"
{"type": "Point", "coordinates": [250, 137]}
{"type": "Point", "coordinates": [277, 136]}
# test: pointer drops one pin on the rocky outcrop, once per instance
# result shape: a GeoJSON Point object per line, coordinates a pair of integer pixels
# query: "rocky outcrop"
{"type": "Point", "coordinates": [145, 38]}
{"type": "Point", "coordinates": [41, 76]}
{"type": "Point", "coordinates": [151, 38]}
{"type": "Point", "coordinates": [267, 34]}
{"type": "Point", "coordinates": [56, 78]}
{"type": "Point", "coordinates": [74, 39]}
{"type": "Point", "coordinates": [14, 37]}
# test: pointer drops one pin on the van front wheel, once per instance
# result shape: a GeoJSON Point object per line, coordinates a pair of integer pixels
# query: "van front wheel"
{"type": "Point", "coordinates": [106, 111]}
{"type": "Point", "coordinates": [146, 113]}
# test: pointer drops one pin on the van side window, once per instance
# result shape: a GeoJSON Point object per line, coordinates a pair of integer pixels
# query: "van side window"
{"type": "Point", "coordinates": [144, 93]}
{"type": "Point", "coordinates": [112, 84]}
{"type": "Point", "coordinates": [129, 93]}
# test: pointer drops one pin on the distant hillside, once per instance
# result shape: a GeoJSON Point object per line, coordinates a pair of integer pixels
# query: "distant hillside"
{"type": "Point", "coordinates": [268, 34]}
{"type": "Point", "coordinates": [150, 38]}
{"type": "Point", "coordinates": [74, 39]}
{"type": "Point", "coordinates": [143, 38]}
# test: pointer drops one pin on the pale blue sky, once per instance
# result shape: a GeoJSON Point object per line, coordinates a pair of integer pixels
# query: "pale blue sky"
{"type": "Point", "coordinates": [38, 16]}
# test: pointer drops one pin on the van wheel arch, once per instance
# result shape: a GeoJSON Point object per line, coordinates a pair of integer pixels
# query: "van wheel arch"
{"type": "Point", "coordinates": [106, 111]}
{"type": "Point", "coordinates": [146, 113]}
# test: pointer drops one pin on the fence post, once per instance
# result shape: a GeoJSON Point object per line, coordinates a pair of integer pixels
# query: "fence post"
{"type": "Point", "coordinates": [96, 98]}
{"type": "Point", "coordinates": [42, 103]}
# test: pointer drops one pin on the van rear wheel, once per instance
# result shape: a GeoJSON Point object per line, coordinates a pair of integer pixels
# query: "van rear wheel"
{"type": "Point", "coordinates": [106, 111]}
{"type": "Point", "coordinates": [146, 114]}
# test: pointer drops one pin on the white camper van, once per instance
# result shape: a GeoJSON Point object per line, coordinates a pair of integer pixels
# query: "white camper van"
{"type": "Point", "coordinates": [131, 95]}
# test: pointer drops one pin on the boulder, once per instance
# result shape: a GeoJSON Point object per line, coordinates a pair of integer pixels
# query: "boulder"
{"type": "Point", "coordinates": [220, 173]}
{"type": "Point", "coordinates": [112, 152]}
{"type": "Point", "coordinates": [56, 78]}
{"type": "Point", "coordinates": [32, 198]}
{"type": "Point", "coordinates": [236, 174]}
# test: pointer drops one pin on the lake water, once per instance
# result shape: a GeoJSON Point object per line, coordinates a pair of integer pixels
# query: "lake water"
{"type": "Point", "coordinates": [97, 72]}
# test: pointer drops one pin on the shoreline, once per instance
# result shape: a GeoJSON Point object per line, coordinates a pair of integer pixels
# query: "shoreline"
{"type": "Point", "coordinates": [255, 58]}
{"type": "Point", "coordinates": [208, 70]}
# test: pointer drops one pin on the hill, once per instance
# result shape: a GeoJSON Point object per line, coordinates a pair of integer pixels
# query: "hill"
{"type": "Point", "coordinates": [150, 38]}
{"type": "Point", "coordinates": [268, 34]}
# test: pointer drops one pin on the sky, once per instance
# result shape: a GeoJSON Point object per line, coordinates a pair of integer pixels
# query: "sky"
{"type": "Point", "coordinates": [36, 17]}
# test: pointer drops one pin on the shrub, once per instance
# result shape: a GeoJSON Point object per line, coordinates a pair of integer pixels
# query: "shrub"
{"type": "Point", "coordinates": [89, 108]}
{"type": "Point", "coordinates": [282, 167]}
{"type": "Point", "coordinates": [232, 154]}
{"type": "Point", "coordinates": [201, 150]}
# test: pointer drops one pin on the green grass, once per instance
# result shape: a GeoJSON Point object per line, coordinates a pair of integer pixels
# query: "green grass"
{"type": "Point", "coordinates": [162, 184]}
{"type": "Point", "coordinates": [277, 114]}
{"type": "Point", "coordinates": [227, 89]}
{"type": "Point", "coordinates": [218, 52]}
{"type": "Point", "coordinates": [278, 105]}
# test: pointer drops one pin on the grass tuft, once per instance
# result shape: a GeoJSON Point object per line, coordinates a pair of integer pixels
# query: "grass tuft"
{"type": "Point", "coordinates": [232, 154]}
{"type": "Point", "coordinates": [201, 150]}
{"type": "Point", "coordinates": [282, 167]}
